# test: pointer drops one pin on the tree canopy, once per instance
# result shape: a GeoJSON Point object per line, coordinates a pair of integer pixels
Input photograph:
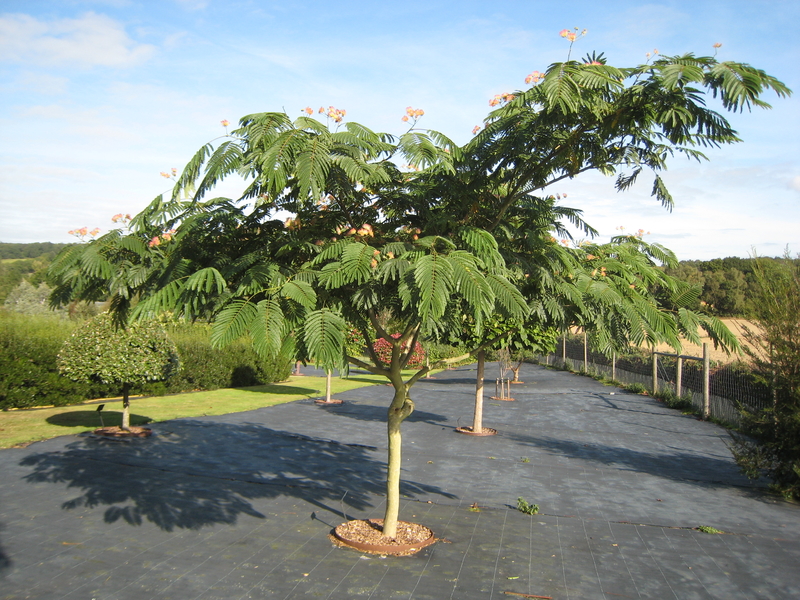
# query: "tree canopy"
{"type": "Point", "coordinates": [99, 350]}
{"type": "Point", "coordinates": [414, 224]}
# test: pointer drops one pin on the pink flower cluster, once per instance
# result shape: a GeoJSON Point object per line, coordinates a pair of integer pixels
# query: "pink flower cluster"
{"type": "Point", "coordinates": [172, 173]}
{"type": "Point", "coordinates": [333, 113]}
{"type": "Point", "coordinates": [412, 113]}
{"type": "Point", "coordinates": [84, 231]}
{"type": "Point", "coordinates": [534, 77]}
{"type": "Point", "coordinates": [160, 239]}
{"type": "Point", "coordinates": [500, 98]}
{"type": "Point", "coordinates": [120, 217]}
{"type": "Point", "coordinates": [571, 35]}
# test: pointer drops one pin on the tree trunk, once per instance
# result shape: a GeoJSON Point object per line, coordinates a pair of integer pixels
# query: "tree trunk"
{"type": "Point", "coordinates": [477, 421]}
{"type": "Point", "coordinates": [515, 370]}
{"type": "Point", "coordinates": [328, 386]}
{"type": "Point", "coordinates": [401, 407]}
{"type": "Point", "coordinates": [126, 408]}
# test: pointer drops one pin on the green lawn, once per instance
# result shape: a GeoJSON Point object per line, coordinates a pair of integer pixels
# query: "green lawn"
{"type": "Point", "coordinates": [21, 427]}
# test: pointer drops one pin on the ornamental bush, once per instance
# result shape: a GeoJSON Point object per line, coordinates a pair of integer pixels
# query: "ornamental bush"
{"type": "Point", "coordinates": [29, 375]}
{"type": "Point", "coordinates": [100, 351]}
{"type": "Point", "coordinates": [384, 351]}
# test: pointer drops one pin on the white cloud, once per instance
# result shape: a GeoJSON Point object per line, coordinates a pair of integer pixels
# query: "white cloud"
{"type": "Point", "coordinates": [88, 40]}
{"type": "Point", "coordinates": [41, 83]}
{"type": "Point", "coordinates": [794, 183]}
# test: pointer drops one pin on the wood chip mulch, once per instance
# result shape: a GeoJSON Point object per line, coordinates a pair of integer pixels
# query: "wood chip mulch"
{"type": "Point", "coordinates": [370, 532]}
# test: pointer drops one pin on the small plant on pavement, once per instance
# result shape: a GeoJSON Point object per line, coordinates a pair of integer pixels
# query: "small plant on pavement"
{"type": "Point", "coordinates": [528, 509]}
{"type": "Point", "coordinates": [708, 529]}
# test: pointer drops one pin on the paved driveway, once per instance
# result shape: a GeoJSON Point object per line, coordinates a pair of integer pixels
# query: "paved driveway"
{"type": "Point", "coordinates": [240, 506]}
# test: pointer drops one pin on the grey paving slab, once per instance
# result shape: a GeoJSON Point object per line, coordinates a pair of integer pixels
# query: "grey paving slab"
{"type": "Point", "coordinates": [241, 505]}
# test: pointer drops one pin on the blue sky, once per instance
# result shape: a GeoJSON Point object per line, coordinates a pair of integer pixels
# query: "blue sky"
{"type": "Point", "coordinates": [98, 97]}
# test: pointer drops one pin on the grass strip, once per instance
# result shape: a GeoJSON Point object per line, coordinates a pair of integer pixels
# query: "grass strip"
{"type": "Point", "coordinates": [19, 428]}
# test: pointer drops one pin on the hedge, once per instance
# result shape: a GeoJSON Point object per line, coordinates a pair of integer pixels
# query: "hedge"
{"type": "Point", "coordinates": [29, 377]}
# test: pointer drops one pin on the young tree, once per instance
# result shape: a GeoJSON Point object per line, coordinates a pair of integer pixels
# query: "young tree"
{"type": "Point", "coordinates": [772, 444]}
{"type": "Point", "coordinates": [101, 351]}
{"type": "Point", "coordinates": [461, 233]}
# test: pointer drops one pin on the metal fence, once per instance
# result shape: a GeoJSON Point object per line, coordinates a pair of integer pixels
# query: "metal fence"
{"type": "Point", "coordinates": [716, 391]}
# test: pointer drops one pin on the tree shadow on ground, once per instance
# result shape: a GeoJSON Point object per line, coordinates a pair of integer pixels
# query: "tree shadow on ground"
{"type": "Point", "coordinates": [372, 412]}
{"type": "Point", "coordinates": [90, 418]}
{"type": "Point", "coordinates": [5, 561]}
{"type": "Point", "coordinates": [199, 474]}
{"type": "Point", "coordinates": [677, 464]}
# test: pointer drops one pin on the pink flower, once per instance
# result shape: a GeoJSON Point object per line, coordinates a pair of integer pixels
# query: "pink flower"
{"type": "Point", "coordinates": [717, 45]}
{"type": "Point", "coordinates": [308, 110]}
{"type": "Point", "coordinates": [154, 242]}
{"type": "Point", "coordinates": [476, 129]}
{"type": "Point", "coordinates": [404, 118]}
{"type": "Point", "coordinates": [564, 33]}
{"type": "Point", "coordinates": [534, 77]}
{"type": "Point", "coordinates": [225, 122]}
{"type": "Point", "coordinates": [94, 231]}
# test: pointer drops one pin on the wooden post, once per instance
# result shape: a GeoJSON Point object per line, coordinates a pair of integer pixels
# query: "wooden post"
{"type": "Point", "coordinates": [613, 366]}
{"type": "Point", "coordinates": [679, 376]}
{"type": "Point", "coordinates": [564, 348]}
{"type": "Point", "coordinates": [655, 372]}
{"type": "Point", "coordinates": [585, 354]}
{"type": "Point", "coordinates": [706, 382]}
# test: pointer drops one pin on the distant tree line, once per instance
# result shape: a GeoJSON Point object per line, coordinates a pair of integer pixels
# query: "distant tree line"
{"type": "Point", "coordinates": [34, 250]}
{"type": "Point", "coordinates": [24, 262]}
{"type": "Point", "coordinates": [728, 284]}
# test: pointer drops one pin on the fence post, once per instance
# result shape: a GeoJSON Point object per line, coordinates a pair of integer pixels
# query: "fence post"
{"type": "Point", "coordinates": [655, 372]}
{"type": "Point", "coordinates": [679, 376]}
{"type": "Point", "coordinates": [706, 382]}
{"type": "Point", "coordinates": [564, 348]}
{"type": "Point", "coordinates": [585, 354]}
{"type": "Point", "coordinates": [613, 366]}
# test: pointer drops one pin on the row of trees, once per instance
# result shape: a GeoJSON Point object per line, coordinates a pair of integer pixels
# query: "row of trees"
{"type": "Point", "coordinates": [458, 246]}
{"type": "Point", "coordinates": [729, 285]}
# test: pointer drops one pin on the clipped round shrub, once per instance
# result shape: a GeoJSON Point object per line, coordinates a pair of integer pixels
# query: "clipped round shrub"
{"type": "Point", "coordinates": [100, 351]}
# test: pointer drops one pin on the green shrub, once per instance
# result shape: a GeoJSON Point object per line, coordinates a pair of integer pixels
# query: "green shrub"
{"type": "Point", "coordinates": [28, 374]}
{"type": "Point", "coordinates": [672, 400]}
{"type": "Point", "coordinates": [636, 388]}
{"type": "Point", "coordinates": [436, 352]}
{"type": "Point", "coordinates": [29, 377]}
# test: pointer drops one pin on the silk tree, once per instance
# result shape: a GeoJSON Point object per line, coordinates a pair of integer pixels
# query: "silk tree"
{"type": "Point", "coordinates": [429, 243]}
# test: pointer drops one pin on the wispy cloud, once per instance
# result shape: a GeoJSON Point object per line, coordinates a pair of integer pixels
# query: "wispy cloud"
{"type": "Point", "coordinates": [85, 41]}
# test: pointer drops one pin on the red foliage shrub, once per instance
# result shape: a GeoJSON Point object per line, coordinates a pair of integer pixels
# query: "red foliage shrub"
{"type": "Point", "coordinates": [384, 351]}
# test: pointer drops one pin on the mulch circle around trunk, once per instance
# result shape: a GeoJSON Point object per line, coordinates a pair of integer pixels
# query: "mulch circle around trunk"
{"type": "Point", "coordinates": [367, 536]}
{"type": "Point", "coordinates": [484, 432]}
{"type": "Point", "coordinates": [333, 402]}
{"type": "Point", "coordinates": [118, 432]}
